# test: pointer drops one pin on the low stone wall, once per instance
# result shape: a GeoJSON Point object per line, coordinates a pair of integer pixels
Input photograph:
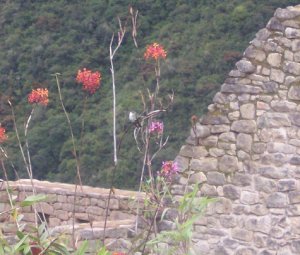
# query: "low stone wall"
{"type": "Point", "coordinates": [90, 207]}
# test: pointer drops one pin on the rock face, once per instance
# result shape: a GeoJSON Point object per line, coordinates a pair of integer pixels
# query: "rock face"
{"type": "Point", "coordinates": [253, 161]}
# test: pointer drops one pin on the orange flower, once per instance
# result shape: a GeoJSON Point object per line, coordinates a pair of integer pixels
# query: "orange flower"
{"type": "Point", "coordinates": [3, 136]}
{"type": "Point", "coordinates": [90, 80]}
{"type": "Point", "coordinates": [155, 51]}
{"type": "Point", "coordinates": [38, 96]}
{"type": "Point", "coordinates": [118, 253]}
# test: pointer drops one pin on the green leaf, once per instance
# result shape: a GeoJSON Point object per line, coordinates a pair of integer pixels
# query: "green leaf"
{"type": "Point", "coordinates": [30, 200]}
{"type": "Point", "coordinates": [81, 250]}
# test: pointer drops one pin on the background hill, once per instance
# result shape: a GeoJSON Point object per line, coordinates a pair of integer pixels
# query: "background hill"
{"type": "Point", "coordinates": [203, 38]}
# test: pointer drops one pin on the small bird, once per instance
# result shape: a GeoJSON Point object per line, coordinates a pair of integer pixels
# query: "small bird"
{"type": "Point", "coordinates": [135, 119]}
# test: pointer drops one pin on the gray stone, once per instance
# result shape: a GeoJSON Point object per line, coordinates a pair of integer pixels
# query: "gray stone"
{"type": "Point", "coordinates": [197, 178]}
{"type": "Point", "coordinates": [249, 198]}
{"type": "Point", "coordinates": [259, 148]}
{"type": "Point", "coordinates": [276, 200]}
{"type": "Point", "coordinates": [296, 45]}
{"type": "Point", "coordinates": [294, 93]}
{"type": "Point", "coordinates": [216, 152]}
{"type": "Point", "coordinates": [208, 190]}
{"type": "Point", "coordinates": [295, 118]}
{"type": "Point", "coordinates": [273, 172]}
{"type": "Point", "coordinates": [241, 179]}
{"type": "Point", "coordinates": [247, 111]}
{"type": "Point", "coordinates": [205, 164]}
{"type": "Point", "coordinates": [259, 224]}
{"type": "Point", "coordinates": [283, 106]}
{"type": "Point", "coordinates": [294, 197]}
{"type": "Point", "coordinates": [245, 66]}
{"type": "Point", "coordinates": [277, 159]}
{"type": "Point", "coordinates": [277, 75]}
{"type": "Point", "coordinates": [242, 235]}
{"type": "Point", "coordinates": [281, 148]}
{"type": "Point", "coordinates": [240, 89]}
{"type": "Point", "coordinates": [231, 192]}
{"type": "Point", "coordinates": [287, 184]}
{"type": "Point", "coordinates": [228, 164]}
{"type": "Point", "coordinates": [200, 131]}
{"type": "Point", "coordinates": [296, 246]}
{"type": "Point", "coordinates": [244, 142]}
{"type": "Point", "coordinates": [274, 59]}
{"type": "Point", "coordinates": [270, 87]}
{"type": "Point", "coordinates": [216, 129]}
{"type": "Point", "coordinates": [214, 120]}
{"type": "Point", "coordinates": [274, 120]}
{"type": "Point", "coordinates": [244, 126]}
{"type": "Point", "coordinates": [292, 33]}
{"type": "Point", "coordinates": [275, 24]}
{"type": "Point", "coordinates": [228, 137]}
{"type": "Point", "coordinates": [255, 54]}
{"type": "Point", "coordinates": [236, 73]}
{"type": "Point", "coordinates": [216, 178]}
{"type": "Point", "coordinates": [291, 67]}
{"type": "Point", "coordinates": [295, 160]}
{"type": "Point", "coordinates": [210, 141]}
{"type": "Point", "coordinates": [228, 221]}
{"type": "Point", "coordinates": [193, 151]}
{"type": "Point", "coordinates": [182, 163]}
{"type": "Point", "coordinates": [264, 184]}
{"type": "Point", "coordinates": [259, 210]}
{"type": "Point", "coordinates": [284, 14]}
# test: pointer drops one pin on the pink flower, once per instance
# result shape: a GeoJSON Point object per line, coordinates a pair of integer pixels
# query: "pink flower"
{"type": "Point", "coordinates": [90, 80]}
{"type": "Point", "coordinates": [156, 127]}
{"type": "Point", "coordinates": [168, 169]}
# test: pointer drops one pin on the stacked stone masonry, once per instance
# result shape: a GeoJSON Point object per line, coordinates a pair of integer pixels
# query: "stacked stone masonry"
{"type": "Point", "coordinates": [246, 150]}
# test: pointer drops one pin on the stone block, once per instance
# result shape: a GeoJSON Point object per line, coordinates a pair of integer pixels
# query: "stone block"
{"type": "Point", "coordinates": [294, 197]}
{"type": "Point", "coordinates": [291, 67]}
{"type": "Point", "coordinates": [244, 142]}
{"type": "Point", "coordinates": [277, 75]}
{"type": "Point", "coordinates": [292, 33]}
{"type": "Point", "coordinates": [205, 164]}
{"type": "Point", "coordinates": [242, 235]}
{"type": "Point", "coordinates": [245, 66]}
{"type": "Point", "coordinates": [247, 111]}
{"type": "Point", "coordinates": [264, 184]}
{"type": "Point", "coordinates": [274, 120]}
{"type": "Point", "coordinates": [244, 126]}
{"type": "Point", "coordinates": [249, 198]}
{"type": "Point", "coordinates": [287, 185]}
{"type": "Point", "coordinates": [274, 59]}
{"type": "Point", "coordinates": [216, 178]}
{"type": "Point", "coordinates": [276, 200]}
{"type": "Point", "coordinates": [259, 224]}
{"type": "Point", "coordinates": [232, 192]}
{"type": "Point", "coordinates": [240, 89]}
{"type": "Point", "coordinates": [228, 164]}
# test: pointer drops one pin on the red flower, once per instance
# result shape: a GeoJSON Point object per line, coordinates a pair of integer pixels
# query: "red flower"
{"type": "Point", "coordinates": [35, 249]}
{"type": "Point", "coordinates": [155, 51]}
{"type": "Point", "coordinates": [38, 96]}
{"type": "Point", "coordinates": [90, 80]}
{"type": "Point", "coordinates": [168, 169]}
{"type": "Point", "coordinates": [118, 253]}
{"type": "Point", "coordinates": [3, 136]}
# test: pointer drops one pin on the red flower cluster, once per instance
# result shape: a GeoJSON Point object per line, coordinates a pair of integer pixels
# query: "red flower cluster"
{"type": "Point", "coordinates": [3, 136]}
{"type": "Point", "coordinates": [90, 80]}
{"type": "Point", "coordinates": [168, 169]}
{"type": "Point", "coordinates": [155, 51]}
{"type": "Point", "coordinates": [38, 96]}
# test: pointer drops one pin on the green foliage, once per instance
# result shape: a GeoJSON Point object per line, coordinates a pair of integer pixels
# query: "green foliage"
{"type": "Point", "coordinates": [203, 39]}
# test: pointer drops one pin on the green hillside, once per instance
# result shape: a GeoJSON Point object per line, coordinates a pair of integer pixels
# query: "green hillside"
{"type": "Point", "coordinates": [203, 38]}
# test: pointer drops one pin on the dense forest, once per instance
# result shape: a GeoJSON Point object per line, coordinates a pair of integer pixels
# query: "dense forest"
{"type": "Point", "coordinates": [203, 39]}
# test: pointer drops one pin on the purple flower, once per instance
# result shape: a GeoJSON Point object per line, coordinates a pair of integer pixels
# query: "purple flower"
{"type": "Point", "coordinates": [169, 169]}
{"type": "Point", "coordinates": [156, 127]}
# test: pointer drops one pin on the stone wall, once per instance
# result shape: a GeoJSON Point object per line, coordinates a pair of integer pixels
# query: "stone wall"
{"type": "Point", "coordinates": [246, 149]}
{"type": "Point", "coordinates": [89, 211]}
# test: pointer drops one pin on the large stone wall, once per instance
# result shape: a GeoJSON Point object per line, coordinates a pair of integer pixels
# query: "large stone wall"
{"type": "Point", "coordinates": [246, 150]}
